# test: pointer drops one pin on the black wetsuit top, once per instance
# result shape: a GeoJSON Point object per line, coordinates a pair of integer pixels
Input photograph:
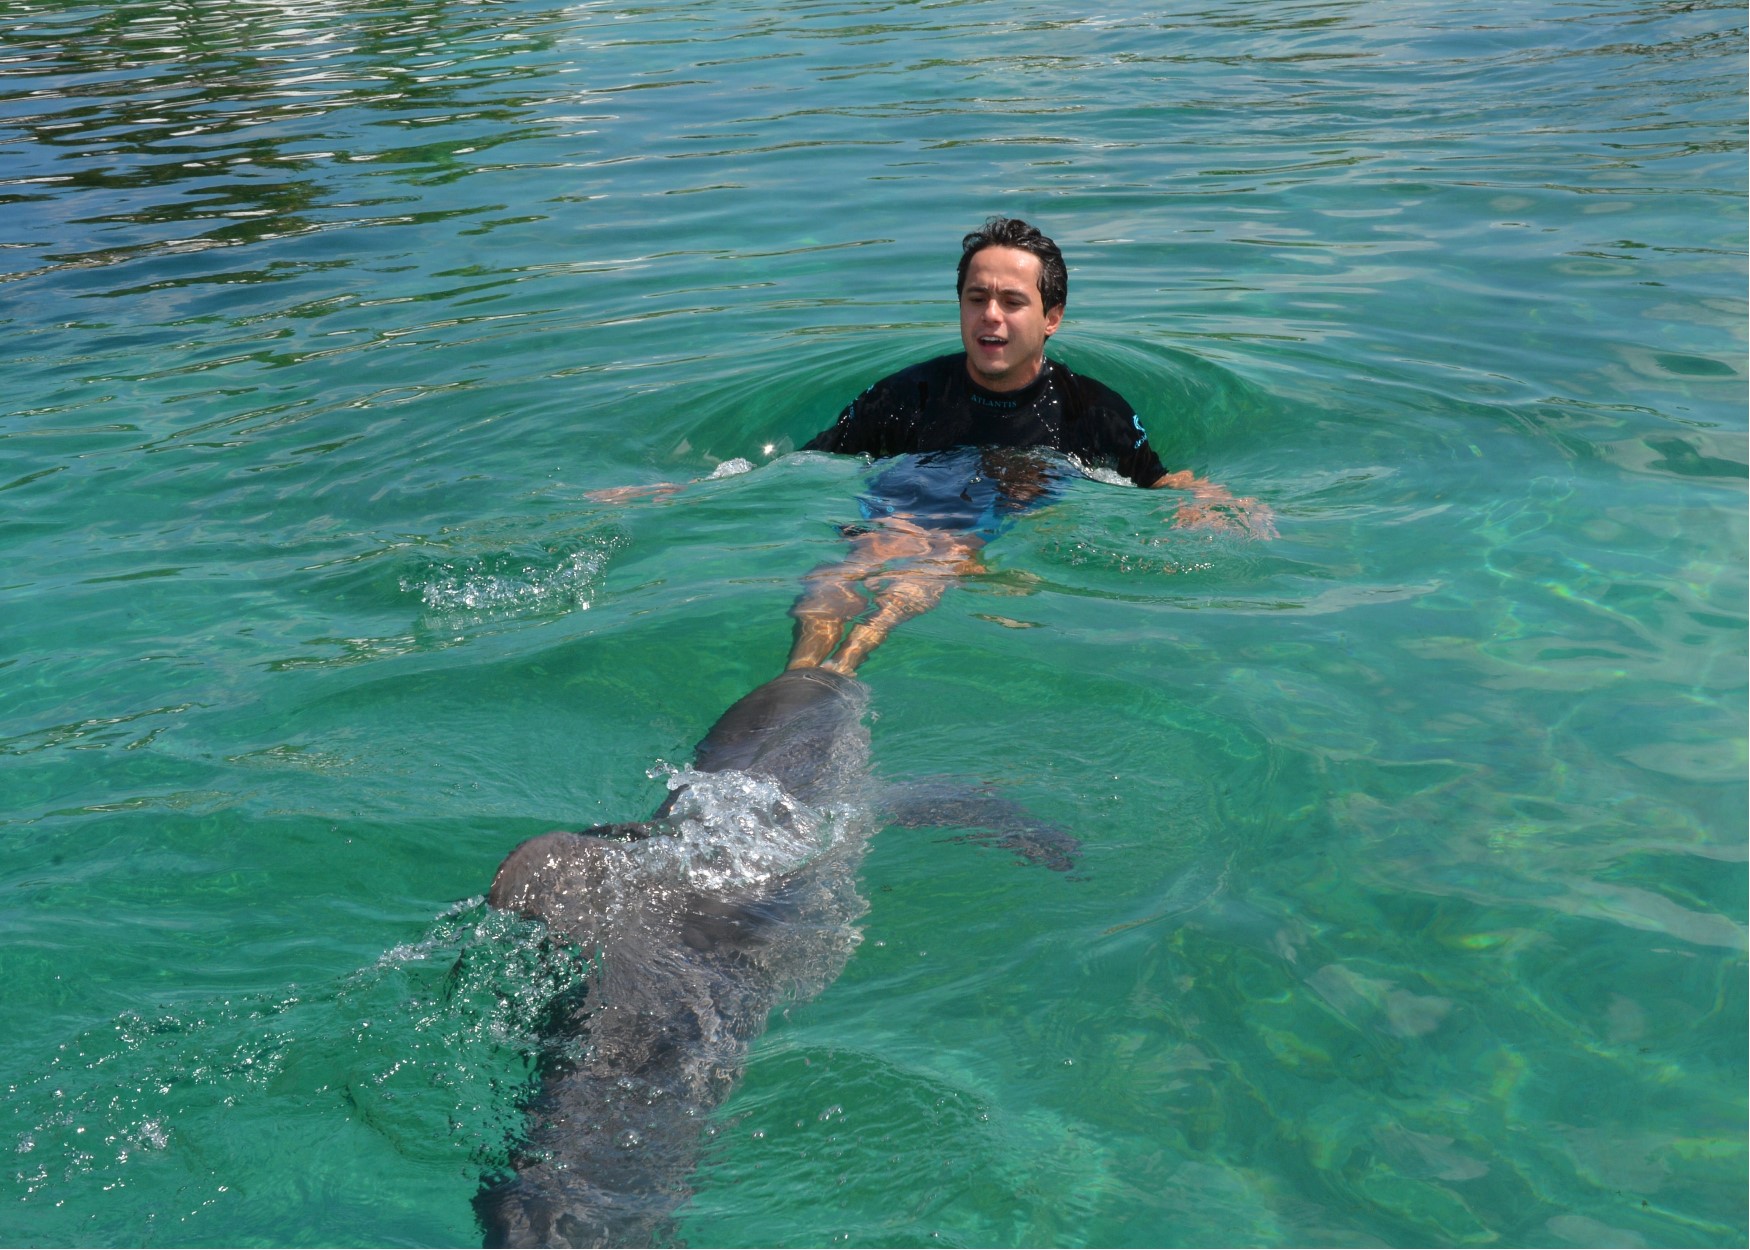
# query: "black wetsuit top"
{"type": "Point", "coordinates": [972, 456]}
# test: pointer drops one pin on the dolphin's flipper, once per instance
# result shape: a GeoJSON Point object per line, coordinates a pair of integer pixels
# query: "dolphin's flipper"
{"type": "Point", "coordinates": [941, 803]}
{"type": "Point", "coordinates": [564, 879]}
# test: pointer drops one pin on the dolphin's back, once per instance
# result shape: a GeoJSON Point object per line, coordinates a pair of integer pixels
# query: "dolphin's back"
{"type": "Point", "coordinates": [803, 729]}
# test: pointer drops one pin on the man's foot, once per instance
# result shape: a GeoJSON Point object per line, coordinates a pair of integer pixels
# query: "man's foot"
{"type": "Point", "coordinates": [864, 637]}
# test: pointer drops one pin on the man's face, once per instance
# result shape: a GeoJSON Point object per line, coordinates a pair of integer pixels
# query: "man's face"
{"type": "Point", "coordinates": [1003, 319]}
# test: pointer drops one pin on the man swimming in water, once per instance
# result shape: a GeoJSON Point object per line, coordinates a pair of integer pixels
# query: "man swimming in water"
{"type": "Point", "coordinates": [975, 430]}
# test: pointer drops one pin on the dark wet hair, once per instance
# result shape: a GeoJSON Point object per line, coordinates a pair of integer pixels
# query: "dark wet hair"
{"type": "Point", "coordinates": [1013, 232]}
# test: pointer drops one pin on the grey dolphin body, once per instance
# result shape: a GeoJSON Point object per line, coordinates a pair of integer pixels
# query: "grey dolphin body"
{"type": "Point", "coordinates": [739, 892]}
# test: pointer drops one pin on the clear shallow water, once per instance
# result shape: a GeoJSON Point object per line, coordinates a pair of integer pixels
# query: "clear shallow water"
{"type": "Point", "coordinates": [1413, 909]}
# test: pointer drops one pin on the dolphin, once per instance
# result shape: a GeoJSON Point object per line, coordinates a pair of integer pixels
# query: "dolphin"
{"type": "Point", "coordinates": [738, 893]}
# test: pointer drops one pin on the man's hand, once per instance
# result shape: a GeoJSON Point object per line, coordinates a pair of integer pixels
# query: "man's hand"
{"type": "Point", "coordinates": [1214, 507]}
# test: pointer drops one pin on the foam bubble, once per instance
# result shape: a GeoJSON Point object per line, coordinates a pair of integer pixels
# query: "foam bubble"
{"type": "Point", "coordinates": [1100, 473]}
{"type": "Point", "coordinates": [732, 830]}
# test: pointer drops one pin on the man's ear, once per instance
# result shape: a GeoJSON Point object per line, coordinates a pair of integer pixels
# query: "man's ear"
{"type": "Point", "coordinates": [1053, 319]}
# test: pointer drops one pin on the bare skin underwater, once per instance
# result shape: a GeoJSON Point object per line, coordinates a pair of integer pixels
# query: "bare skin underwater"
{"type": "Point", "coordinates": [903, 567]}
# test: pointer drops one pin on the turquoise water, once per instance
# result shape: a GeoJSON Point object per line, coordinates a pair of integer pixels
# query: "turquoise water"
{"type": "Point", "coordinates": [1413, 906]}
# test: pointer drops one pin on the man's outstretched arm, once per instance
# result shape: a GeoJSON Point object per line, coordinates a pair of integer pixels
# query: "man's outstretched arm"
{"type": "Point", "coordinates": [659, 490]}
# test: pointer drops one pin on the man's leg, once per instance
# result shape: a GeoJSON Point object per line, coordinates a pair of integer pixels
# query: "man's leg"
{"type": "Point", "coordinates": [928, 561]}
{"type": "Point", "coordinates": [830, 600]}
{"type": "Point", "coordinates": [898, 597]}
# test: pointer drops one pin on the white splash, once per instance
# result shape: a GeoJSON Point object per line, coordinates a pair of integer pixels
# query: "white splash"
{"type": "Point", "coordinates": [730, 468]}
{"type": "Point", "coordinates": [488, 587]}
{"type": "Point", "coordinates": [732, 830]}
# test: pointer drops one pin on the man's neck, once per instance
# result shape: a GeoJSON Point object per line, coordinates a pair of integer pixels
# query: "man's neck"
{"type": "Point", "coordinates": [1009, 388]}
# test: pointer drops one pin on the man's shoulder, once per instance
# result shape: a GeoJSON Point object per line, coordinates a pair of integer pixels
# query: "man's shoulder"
{"type": "Point", "coordinates": [1093, 395]}
{"type": "Point", "coordinates": [910, 391]}
{"type": "Point", "coordinates": [882, 421]}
